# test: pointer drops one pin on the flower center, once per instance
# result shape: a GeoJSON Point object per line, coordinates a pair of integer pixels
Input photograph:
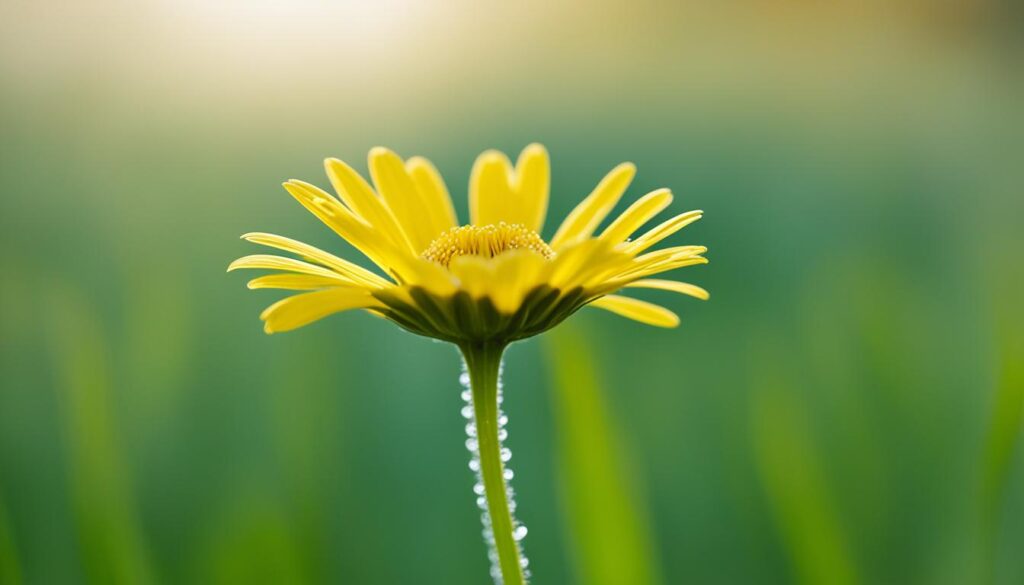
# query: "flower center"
{"type": "Point", "coordinates": [485, 240]}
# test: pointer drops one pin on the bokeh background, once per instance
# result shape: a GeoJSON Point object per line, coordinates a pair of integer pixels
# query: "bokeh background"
{"type": "Point", "coordinates": [846, 409]}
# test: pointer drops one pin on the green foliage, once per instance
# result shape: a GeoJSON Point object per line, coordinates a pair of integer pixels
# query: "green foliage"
{"type": "Point", "coordinates": [796, 484]}
{"type": "Point", "coordinates": [113, 548]}
{"type": "Point", "coordinates": [606, 518]}
{"type": "Point", "coordinates": [10, 566]}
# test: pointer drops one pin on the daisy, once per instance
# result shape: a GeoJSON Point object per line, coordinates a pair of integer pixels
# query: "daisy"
{"type": "Point", "coordinates": [482, 285]}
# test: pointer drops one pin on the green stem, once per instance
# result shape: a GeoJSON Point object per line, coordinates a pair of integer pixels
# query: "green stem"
{"type": "Point", "coordinates": [483, 361]}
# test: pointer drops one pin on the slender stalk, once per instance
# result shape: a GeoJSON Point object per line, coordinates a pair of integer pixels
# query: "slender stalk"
{"type": "Point", "coordinates": [483, 362]}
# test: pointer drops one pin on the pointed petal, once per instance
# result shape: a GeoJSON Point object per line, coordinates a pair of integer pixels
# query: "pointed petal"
{"type": "Point", "coordinates": [269, 262]}
{"type": "Point", "coordinates": [299, 310]}
{"type": "Point", "coordinates": [353, 271]}
{"type": "Point", "coordinates": [295, 282]}
{"type": "Point", "coordinates": [639, 213]}
{"type": "Point", "coordinates": [664, 230]}
{"type": "Point", "coordinates": [637, 310]}
{"type": "Point", "coordinates": [360, 198]}
{"type": "Point", "coordinates": [673, 286]}
{"type": "Point", "coordinates": [353, 229]}
{"type": "Point", "coordinates": [643, 266]}
{"type": "Point", "coordinates": [584, 219]}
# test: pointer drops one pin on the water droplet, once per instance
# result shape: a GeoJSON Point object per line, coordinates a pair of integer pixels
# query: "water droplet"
{"type": "Point", "coordinates": [473, 445]}
{"type": "Point", "coordinates": [524, 562]}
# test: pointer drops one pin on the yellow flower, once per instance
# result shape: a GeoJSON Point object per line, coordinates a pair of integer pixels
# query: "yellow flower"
{"type": "Point", "coordinates": [480, 286]}
{"type": "Point", "coordinates": [495, 279]}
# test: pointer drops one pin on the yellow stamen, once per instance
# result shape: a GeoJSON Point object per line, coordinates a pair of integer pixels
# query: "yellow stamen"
{"type": "Point", "coordinates": [486, 240]}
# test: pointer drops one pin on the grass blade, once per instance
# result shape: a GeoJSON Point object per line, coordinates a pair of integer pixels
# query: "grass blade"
{"type": "Point", "coordinates": [796, 486]}
{"type": "Point", "coordinates": [607, 523]}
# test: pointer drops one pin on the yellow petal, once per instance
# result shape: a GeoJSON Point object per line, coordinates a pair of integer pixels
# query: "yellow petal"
{"type": "Point", "coordinates": [532, 188]}
{"type": "Point", "coordinates": [664, 230]}
{"type": "Point", "coordinates": [637, 310]}
{"type": "Point", "coordinates": [490, 188]}
{"type": "Point", "coordinates": [353, 271]}
{"type": "Point", "coordinates": [656, 265]}
{"type": "Point", "coordinates": [403, 198]}
{"type": "Point", "coordinates": [360, 198]}
{"type": "Point", "coordinates": [270, 262]}
{"type": "Point", "coordinates": [336, 216]}
{"type": "Point", "coordinates": [430, 276]}
{"type": "Point", "coordinates": [673, 286]}
{"type": "Point", "coordinates": [377, 246]}
{"type": "Point", "coordinates": [475, 274]}
{"type": "Point", "coordinates": [639, 213]}
{"type": "Point", "coordinates": [584, 219]}
{"type": "Point", "coordinates": [295, 282]}
{"type": "Point", "coordinates": [568, 266]}
{"type": "Point", "coordinates": [515, 274]}
{"type": "Point", "coordinates": [608, 264]}
{"type": "Point", "coordinates": [675, 252]}
{"type": "Point", "coordinates": [433, 190]}
{"type": "Point", "coordinates": [299, 310]}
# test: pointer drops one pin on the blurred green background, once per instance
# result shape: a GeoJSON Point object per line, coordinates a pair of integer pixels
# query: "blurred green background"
{"type": "Point", "coordinates": [846, 409]}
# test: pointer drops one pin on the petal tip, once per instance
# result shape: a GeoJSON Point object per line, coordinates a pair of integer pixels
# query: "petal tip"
{"type": "Point", "coordinates": [535, 148]}
{"type": "Point", "coordinates": [331, 163]}
{"type": "Point", "coordinates": [378, 152]}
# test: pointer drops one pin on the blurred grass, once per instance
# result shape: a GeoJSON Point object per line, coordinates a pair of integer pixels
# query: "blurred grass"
{"type": "Point", "coordinates": [113, 547]}
{"type": "Point", "coordinates": [10, 566]}
{"type": "Point", "coordinates": [606, 518]}
{"type": "Point", "coordinates": [1003, 440]}
{"type": "Point", "coordinates": [1005, 431]}
{"type": "Point", "coordinates": [250, 541]}
{"type": "Point", "coordinates": [795, 482]}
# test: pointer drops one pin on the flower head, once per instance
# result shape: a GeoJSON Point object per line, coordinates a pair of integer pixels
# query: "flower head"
{"type": "Point", "coordinates": [495, 279]}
